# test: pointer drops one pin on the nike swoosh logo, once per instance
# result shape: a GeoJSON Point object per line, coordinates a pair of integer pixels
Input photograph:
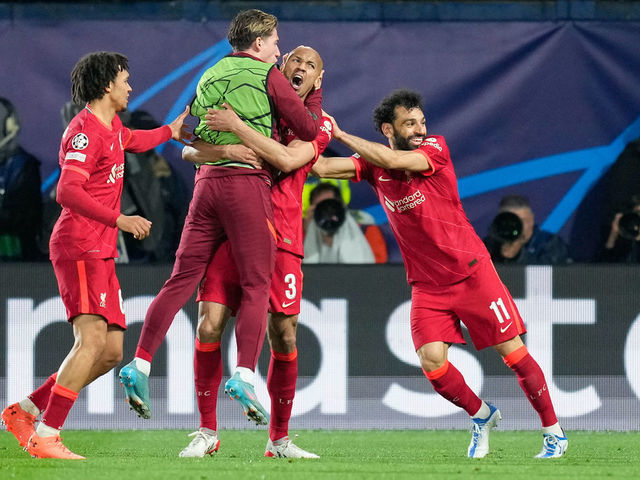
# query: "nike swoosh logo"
{"type": "Point", "coordinates": [383, 179]}
{"type": "Point", "coordinates": [285, 305]}
{"type": "Point", "coordinates": [502, 330]}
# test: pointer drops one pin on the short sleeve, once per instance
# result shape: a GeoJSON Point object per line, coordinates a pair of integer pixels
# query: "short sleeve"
{"type": "Point", "coordinates": [436, 150]}
{"type": "Point", "coordinates": [80, 152]}
{"type": "Point", "coordinates": [363, 168]}
{"type": "Point", "coordinates": [324, 136]}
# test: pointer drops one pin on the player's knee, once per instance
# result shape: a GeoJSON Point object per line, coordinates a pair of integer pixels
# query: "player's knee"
{"type": "Point", "coordinates": [92, 347]}
{"type": "Point", "coordinates": [282, 334]}
{"type": "Point", "coordinates": [209, 332]}
{"type": "Point", "coordinates": [111, 356]}
{"type": "Point", "coordinates": [431, 365]}
{"type": "Point", "coordinates": [114, 358]}
{"type": "Point", "coordinates": [432, 356]}
{"type": "Point", "coordinates": [286, 341]}
{"type": "Point", "coordinates": [432, 359]}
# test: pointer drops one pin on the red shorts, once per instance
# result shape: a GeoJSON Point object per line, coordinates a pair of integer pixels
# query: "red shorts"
{"type": "Point", "coordinates": [90, 287]}
{"type": "Point", "coordinates": [221, 282]}
{"type": "Point", "coordinates": [481, 302]}
{"type": "Point", "coordinates": [286, 284]}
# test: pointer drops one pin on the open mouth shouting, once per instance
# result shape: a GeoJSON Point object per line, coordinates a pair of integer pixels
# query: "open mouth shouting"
{"type": "Point", "coordinates": [296, 81]}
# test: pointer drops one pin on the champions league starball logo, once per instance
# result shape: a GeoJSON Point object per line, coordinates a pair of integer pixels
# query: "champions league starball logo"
{"type": "Point", "coordinates": [80, 141]}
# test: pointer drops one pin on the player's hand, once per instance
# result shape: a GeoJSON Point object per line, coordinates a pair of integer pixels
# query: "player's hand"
{"type": "Point", "coordinates": [337, 133]}
{"type": "Point", "coordinates": [615, 224]}
{"type": "Point", "coordinates": [179, 130]}
{"type": "Point", "coordinates": [139, 226]}
{"type": "Point", "coordinates": [243, 154]}
{"type": "Point", "coordinates": [224, 120]}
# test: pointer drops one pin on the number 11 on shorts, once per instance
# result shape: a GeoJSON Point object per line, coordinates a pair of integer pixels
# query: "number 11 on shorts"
{"type": "Point", "coordinates": [500, 310]}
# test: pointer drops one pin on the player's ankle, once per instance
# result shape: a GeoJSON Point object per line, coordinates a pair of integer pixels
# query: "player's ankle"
{"type": "Point", "coordinates": [246, 374]}
{"type": "Point", "coordinates": [28, 406]}
{"type": "Point", "coordinates": [554, 429]}
{"type": "Point", "coordinates": [143, 365]}
{"type": "Point", "coordinates": [483, 412]}
{"type": "Point", "coordinates": [46, 431]}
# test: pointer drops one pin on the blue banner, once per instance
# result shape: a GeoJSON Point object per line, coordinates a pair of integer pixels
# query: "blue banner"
{"type": "Point", "coordinates": [538, 108]}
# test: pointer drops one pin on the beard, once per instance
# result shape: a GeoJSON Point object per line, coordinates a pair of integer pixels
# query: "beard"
{"type": "Point", "coordinates": [404, 143]}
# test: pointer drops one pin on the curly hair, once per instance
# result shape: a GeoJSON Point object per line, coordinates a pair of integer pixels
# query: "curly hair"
{"type": "Point", "coordinates": [93, 73]}
{"type": "Point", "coordinates": [385, 111]}
{"type": "Point", "coordinates": [248, 25]}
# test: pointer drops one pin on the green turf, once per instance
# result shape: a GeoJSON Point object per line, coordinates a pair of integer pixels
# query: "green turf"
{"type": "Point", "coordinates": [132, 455]}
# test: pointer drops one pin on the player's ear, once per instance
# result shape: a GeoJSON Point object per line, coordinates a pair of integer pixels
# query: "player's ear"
{"type": "Point", "coordinates": [387, 130]}
{"type": "Point", "coordinates": [318, 82]}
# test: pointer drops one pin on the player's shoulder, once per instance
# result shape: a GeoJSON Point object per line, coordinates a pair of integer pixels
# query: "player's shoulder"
{"type": "Point", "coordinates": [82, 131]}
{"type": "Point", "coordinates": [326, 125]}
{"type": "Point", "coordinates": [326, 128]}
{"type": "Point", "coordinates": [434, 142]}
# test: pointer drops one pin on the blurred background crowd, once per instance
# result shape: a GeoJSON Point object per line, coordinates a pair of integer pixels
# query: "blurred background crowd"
{"type": "Point", "coordinates": [516, 218]}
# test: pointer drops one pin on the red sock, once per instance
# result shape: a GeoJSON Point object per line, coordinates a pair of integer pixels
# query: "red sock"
{"type": "Point", "coordinates": [60, 403]}
{"type": "Point", "coordinates": [143, 354]}
{"type": "Point", "coordinates": [449, 382]}
{"type": "Point", "coordinates": [207, 368]}
{"type": "Point", "coordinates": [533, 383]}
{"type": "Point", "coordinates": [281, 383]}
{"type": "Point", "coordinates": [40, 397]}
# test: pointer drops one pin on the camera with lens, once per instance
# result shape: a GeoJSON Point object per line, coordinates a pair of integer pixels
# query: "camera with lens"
{"type": "Point", "coordinates": [506, 227]}
{"type": "Point", "coordinates": [329, 215]}
{"type": "Point", "coordinates": [629, 225]}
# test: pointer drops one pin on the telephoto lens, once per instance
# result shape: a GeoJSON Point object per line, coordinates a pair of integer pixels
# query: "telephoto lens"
{"type": "Point", "coordinates": [629, 226]}
{"type": "Point", "coordinates": [506, 227]}
{"type": "Point", "coordinates": [329, 215]}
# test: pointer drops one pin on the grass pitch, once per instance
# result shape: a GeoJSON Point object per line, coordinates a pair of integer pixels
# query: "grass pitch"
{"type": "Point", "coordinates": [134, 455]}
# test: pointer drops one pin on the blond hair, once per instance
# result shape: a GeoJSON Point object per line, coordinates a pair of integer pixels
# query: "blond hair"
{"type": "Point", "coordinates": [248, 25]}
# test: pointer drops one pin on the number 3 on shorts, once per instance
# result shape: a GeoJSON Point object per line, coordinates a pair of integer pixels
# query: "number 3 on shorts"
{"type": "Point", "coordinates": [290, 281]}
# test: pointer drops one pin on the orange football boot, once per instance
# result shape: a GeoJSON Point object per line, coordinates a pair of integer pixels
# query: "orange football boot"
{"type": "Point", "coordinates": [50, 447]}
{"type": "Point", "coordinates": [19, 422]}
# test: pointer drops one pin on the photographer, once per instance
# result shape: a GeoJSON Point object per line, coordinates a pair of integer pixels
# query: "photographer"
{"type": "Point", "coordinates": [332, 235]}
{"type": "Point", "coordinates": [515, 238]}
{"type": "Point", "coordinates": [623, 243]}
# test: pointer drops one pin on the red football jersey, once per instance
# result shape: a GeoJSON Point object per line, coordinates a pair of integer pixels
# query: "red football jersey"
{"type": "Point", "coordinates": [438, 244]}
{"type": "Point", "coordinates": [96, 151]}
{"type": "Point", "coordinates": [286, 194]}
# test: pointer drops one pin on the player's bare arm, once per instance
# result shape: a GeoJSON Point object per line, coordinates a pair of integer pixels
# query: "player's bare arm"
{"type": "Point", "coordinates": [334, 167]}
{"type": "Point", "coordinates": [286, 159]}
{"type": "Point", "coordinates": [381, 155]}
{"type": "Point", "coordinates": [202, 152]}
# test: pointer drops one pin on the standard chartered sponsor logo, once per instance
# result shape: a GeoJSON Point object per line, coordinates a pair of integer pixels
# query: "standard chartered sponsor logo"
{"type": "Point", "coordinates": [406, 203]}
{"type": "Point", "coordinates": [117, 171]}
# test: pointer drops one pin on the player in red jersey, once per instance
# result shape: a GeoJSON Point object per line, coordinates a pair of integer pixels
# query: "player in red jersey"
{"type": "Point", "coordinates": [231, 200]}
{"type": "Point", "coordinates": [448, 266]}
{"type": "Point", "coordinates": [83, 245]}
{"type": "Point", "coordinates": [220, 293]}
